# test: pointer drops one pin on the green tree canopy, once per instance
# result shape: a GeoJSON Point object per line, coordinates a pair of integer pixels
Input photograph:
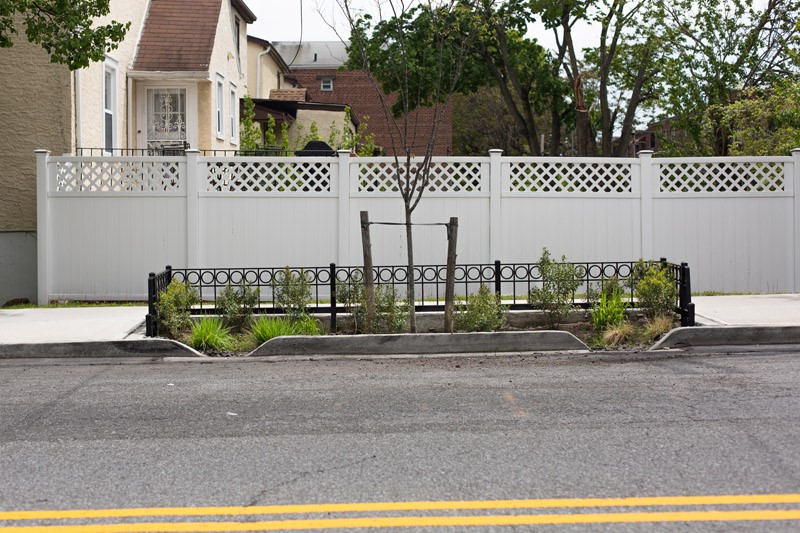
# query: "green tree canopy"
{"type": "Point", "coordinates": [64, 28]}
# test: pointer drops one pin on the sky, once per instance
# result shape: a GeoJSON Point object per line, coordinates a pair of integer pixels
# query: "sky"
{"type": "Point", "coordinates": [280, 20]}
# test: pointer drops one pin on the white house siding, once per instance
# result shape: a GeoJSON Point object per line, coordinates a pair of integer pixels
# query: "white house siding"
{"type": "Point", "coordinates": [92, 133]}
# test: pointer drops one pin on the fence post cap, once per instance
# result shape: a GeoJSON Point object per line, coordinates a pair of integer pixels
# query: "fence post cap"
{"type": "Point", "coordinates": [192, 151]}
{"type": "Point", "coordinates": [795, 151]}
{"type": "Point", "coordinates": [495, 151]}
{"type": "Point", "coordinates": [41, 151]}
{"type": "Point", "coordinates": [641, 153]}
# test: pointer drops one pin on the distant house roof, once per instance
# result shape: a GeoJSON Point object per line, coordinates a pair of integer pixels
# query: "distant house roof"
{"type": "Point", "coordinates": [314, 54]}
{"type": "Point", "coordinates": [288, 95]}
{"type": "Point", "coordinates": [178, 35]}
{"type": "Point", "coordinates": [286, 111]}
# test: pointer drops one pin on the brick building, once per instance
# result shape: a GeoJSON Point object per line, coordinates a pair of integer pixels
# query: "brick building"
{"type": "Point", "coordinates": [315, 66]}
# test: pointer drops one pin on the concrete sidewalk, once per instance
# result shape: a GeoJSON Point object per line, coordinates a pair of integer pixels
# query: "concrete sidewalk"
{"type": "Point", "coordinates": [93, 331]}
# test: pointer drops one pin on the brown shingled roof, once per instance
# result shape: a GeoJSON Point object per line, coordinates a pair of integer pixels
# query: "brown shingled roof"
{"type": "Point", "coordinates": [289, 95]}
{"type": "Point", "coordinates": [178, 35]}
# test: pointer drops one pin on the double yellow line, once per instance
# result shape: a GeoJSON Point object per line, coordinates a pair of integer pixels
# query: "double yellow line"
{"type": "Point", "coordinates": [411, 521]}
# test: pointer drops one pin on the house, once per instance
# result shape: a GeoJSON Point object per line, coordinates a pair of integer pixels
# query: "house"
{"type": "Point", "coordinates": [278, 96]}
{"type": "Point", "coordinates": [175, 81]}
{"type": "Point", "coordinates": [316, 67]}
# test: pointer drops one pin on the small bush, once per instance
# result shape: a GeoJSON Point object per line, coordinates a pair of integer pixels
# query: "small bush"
{"type": "Point", "coordinates": [656, 327]}
{"type": "Point", "coordinates": [481, 312]}
{"type": "Point", "coordinates": [209, 334]}
{"type": "Point", "coordinates": [608, 286]}
{"type": "Point", "coordinates": [266, 328]}
{"type": "Point", "coordinates": [236, 304]}
{"type": "Point", "coordinates": [655, 291]}
{"type": "Point", "coordinates": [559, 283]}
{"type": "Point", "coordinates": [173, 307]}
{"type": "Point", "coordinates": [609, 311]}
{"type": "Point", "coordinates": [291, 292]}
{"type": "Point", "coordinates": [391, 313]}
{"type": "Point", "coordinates": [616, 335]}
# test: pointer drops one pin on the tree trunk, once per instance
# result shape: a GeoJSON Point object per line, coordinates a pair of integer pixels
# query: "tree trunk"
{"type": "Point", "coordinates": [412, 315]}
{"type": "Point", "coordinates": [584, 144]}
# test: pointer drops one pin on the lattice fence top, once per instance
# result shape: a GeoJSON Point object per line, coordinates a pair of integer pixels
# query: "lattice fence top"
{"type": "Point", "coordinates": [445, 177]}
{"type": "Point", "coordinates": [117, 175]}
{"type": "Point", "coordinates": [721, 177]}
{"type": "Point", "coordinates": [570, 177]}
{"type": "Point", "coordinates": [271, 177]}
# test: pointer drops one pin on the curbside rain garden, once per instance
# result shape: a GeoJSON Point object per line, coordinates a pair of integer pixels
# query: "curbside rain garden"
{"type": "Point", "coordinates": [628, 313]}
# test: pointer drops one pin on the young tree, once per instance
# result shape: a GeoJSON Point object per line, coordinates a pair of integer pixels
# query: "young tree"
{"type": "Point", "coordinates": [63, 28]}
{"type": "Point", "coordinates": [415, 58]}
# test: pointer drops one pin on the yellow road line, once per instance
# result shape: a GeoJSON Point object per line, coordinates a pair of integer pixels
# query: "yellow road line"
{"type": "Point", "coordinates": [742, 499]}
{"type": "Point", "coordinates": [420, 521]}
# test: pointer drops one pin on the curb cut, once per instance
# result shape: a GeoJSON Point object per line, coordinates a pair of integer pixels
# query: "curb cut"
{"type": "Point", "coordinates": [728, 335]}
{"type": "Point", "coordinates": [422, 343]}
{"type": "Point", "coordinates": [124, 348]}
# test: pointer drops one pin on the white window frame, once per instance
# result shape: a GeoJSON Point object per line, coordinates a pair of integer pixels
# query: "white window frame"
{"type": "Point", "coordinates": [234, 114]}
{"type": "Point", "coordinates": [323, 82]}
{"type": "Point", "coordinates": [110, 104]}
{"type": "Point", "coordinates": [219, 107]}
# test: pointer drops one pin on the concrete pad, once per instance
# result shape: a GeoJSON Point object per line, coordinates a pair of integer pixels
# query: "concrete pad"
{"type": "Point", "coordinates": [424, 343]}
{"type": "Point", "coordinates": [69, 324]}
{"type": "Point", "coordinates": [748, 310]}
{"type": "Point", "coordinates": [728, 336]}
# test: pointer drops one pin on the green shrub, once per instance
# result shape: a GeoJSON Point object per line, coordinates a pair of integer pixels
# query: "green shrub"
{"type": "Point", "coordinates": [481, 312]}
{"type": "Point", "coordinates": [609, 311]}
{"type": "Point", "coordinates": [173, 307]}
{"type": "Point", "coordinates": [266, 328]}
{"type": "Point", "coordinates": [209, 334]}
{"type": "Point", "coordinates": [236, 304]}
{"type": "Point", "coordinates": [291, 292]}
{"type": "Point", "coordinates": [559, 283]}
{"type": "Point", "coordinates": [655, 290]}
{"type": "Point", "coordinates": [391, 313]}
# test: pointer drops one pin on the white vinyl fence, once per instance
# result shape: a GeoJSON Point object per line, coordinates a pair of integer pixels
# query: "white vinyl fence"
{"type": "Point", "coordinates": [104, 223]}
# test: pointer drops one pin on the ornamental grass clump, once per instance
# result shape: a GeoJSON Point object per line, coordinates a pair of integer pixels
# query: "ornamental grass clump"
{"type": "Point", "coordinates": [266, 328]}
{"type": "Point", "coordinates": [210, 334]}
{"type": "Point", "coordinates": [609, 311]}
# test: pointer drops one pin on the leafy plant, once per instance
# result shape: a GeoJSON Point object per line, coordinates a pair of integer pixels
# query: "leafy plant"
{"type": "Point", "coordinates": [559, 282]}
{"type": "Point", "coordinates": [249, 131]}
{"type": "Point", "coordinates": [236, 304]}
{"type": "Point", "coordinates": [654, 290]}
{"type": "Point", "coordinates": [391, 313]}
{"type": "Point", "coordinates": [209, 334]}
{"type": "Point", "coordinates": [481, 312]}
{"type": "Point", "coordinates": [609, 311]}
{"type": "Point", "coordinates": [292, 292]}
{"type": "Point", "coordinates": [266, 328]}
{"type": "Point", "coordinates": [173, 306]}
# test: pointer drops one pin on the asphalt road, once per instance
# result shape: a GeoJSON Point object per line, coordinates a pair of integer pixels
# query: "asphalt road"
{"type": "Point", "coordinates": [103, 435]}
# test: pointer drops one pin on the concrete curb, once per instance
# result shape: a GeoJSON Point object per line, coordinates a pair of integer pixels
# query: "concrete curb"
{"type": "Point", "coordinates": [123, 348]}
{"type": "Point", "coordinates": [423, 343]}
{"type": "Point", "coordinates": [728, 335]}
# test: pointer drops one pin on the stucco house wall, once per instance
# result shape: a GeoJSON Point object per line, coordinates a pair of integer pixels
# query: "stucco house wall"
{"type": "Point", "coordinates": [326, 122]}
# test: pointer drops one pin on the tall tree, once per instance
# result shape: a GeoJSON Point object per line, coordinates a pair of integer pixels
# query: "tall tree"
{"type": "Point", "coordinates": [624, 66]}
{"type": "Point", "coordinates": [415, 57]}
{"type": "Point", "coordinates": [719, 50]}
{"type": "Point", "coordinates": [65, 29]}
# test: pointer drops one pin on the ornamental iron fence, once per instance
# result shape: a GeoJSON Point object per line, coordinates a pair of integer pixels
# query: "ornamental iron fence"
{"type": "Point", "coordinates": [511, 281]}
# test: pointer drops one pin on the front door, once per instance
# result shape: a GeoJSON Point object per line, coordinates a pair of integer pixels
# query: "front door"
{"type": "Point", "coordinates": [167, 125]}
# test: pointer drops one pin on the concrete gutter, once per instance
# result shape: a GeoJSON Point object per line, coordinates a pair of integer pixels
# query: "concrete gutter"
{"type": "Point", "coordinates": [728, 336]}
{"type": "Point", "coordinates": [424, 343]}
{"type": "Point", "coordinates": [114, 348]}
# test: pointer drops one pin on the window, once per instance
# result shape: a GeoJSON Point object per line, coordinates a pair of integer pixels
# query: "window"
{"type": "Point", "coordinates": [236, 33]}
{"type": "Point", "coordinates": [234, 114]}
{"type": "Point", "coordinates": [110, 106]}
{"type": "Point", "coordinates": [326, 84]}
{"type": "Point", "coordinates": [220, 120]}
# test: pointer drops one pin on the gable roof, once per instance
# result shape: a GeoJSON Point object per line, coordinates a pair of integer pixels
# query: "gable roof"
{"type": "Point", "coordinates": [178, 35]}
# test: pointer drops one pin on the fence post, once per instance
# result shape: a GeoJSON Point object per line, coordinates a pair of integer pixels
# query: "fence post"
{"type": "Point", "coordinates": [495, 201]}
{"type": "Point", "coordinates": [333, 297]}
{"type": "Point", "coordinates": [685, 302]}
{"type": "Point", "coordinates": [42, 228]}
{"type": "Point", "coordinates": [151, 326]}
{"type": "Point", "coordinates": [646, 177]}
{"type": "Point", "coordinates": [498, 283]}
{"type": "Point", "coordinates": [794, 182]}
{"type": "Point", "coordinates": [192, 209]}
{"type": "Point", "coordinates": [343, 249]}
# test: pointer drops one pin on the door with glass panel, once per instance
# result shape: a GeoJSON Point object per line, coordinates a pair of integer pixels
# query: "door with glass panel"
{"type": "Point", "coordinates": [166, 121]}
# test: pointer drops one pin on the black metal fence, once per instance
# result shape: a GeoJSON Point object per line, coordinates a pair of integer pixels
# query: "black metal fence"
{"type": "Point", "coordinates": [513, 281]}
